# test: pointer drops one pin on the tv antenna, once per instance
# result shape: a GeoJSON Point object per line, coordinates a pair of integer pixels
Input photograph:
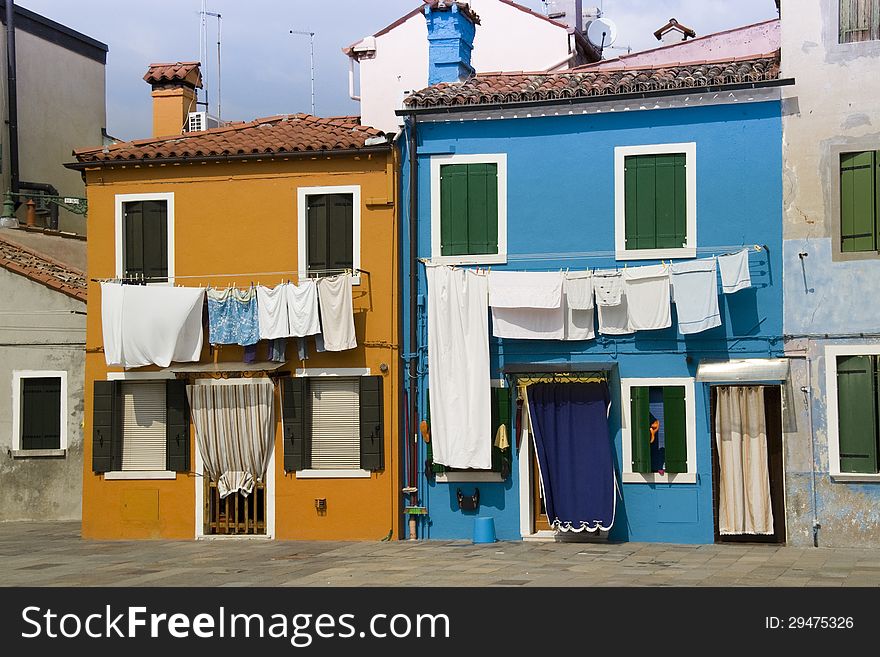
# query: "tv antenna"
{"type": "Point", "coordinates": [311, 36]}
{"type": "Point", "coordinates": [602, 33]}
{"type": "Point", "coordinates": [203, 55]}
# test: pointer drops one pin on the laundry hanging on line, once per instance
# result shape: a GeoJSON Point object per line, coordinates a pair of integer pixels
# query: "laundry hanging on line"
{"type": "Point", "coordinates": [695, 292]}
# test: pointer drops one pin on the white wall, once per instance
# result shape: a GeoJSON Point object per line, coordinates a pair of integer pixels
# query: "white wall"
{"type": "Point", "coordinates": [507, 39]}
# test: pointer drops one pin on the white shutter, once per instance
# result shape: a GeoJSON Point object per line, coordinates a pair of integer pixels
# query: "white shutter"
{"type": "Point", "coordinates": [143, 426]}
{"type": "Point", "coordinates": [336, 442]}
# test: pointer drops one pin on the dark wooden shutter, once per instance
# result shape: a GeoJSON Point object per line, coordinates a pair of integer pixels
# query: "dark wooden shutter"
{"type": "Point", "coordinates": [106, 430]}
{"type": "Point", "coordinates": [655, 201]}
{"type": "Point", "coordinates": [340, 238]}
{"type": "Point", "coordinates": [640, 428]}
{"type": "Point", "coordinates": [858, 201]}
{"type": "Point", "coordinates": [372, 419]}
{"type": "Point", "coordinates": [155, 240]}
{"type": "Point", "coordinates": [675, 430]}
{"type": "Point", "coordinates": [500, 415]}
{"type": "Point", "coordinates": [294, 412]}
{"type": "Point", "coordinates": [41, 413]}
{"type": "Point", "coordinates": [857, 414]}
{"type": "Point", "coordinates": [133, 220]}
{"type": "Point", "coordinates": [177, 457]}
{"type": "Point", "coordinates": [482, 208]}
{"type": "Point", "coordinates": [453, 209]}
{"type": "Point", "coordinates": [317, 232]}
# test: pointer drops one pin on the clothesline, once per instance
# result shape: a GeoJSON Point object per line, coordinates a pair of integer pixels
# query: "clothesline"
{"type": "Point", "coordinates": [245, 275]}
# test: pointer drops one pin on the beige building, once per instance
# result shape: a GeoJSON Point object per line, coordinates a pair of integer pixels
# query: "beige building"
{"type": "Point", "coordinates": [61, 93]}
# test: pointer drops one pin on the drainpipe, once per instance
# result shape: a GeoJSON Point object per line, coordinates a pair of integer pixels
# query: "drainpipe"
{"type": "Point", "coordinates": [351, 93]}
{"type": "Point", "coordinates": [413, 301]}
{"type": "Point", "coordinates": [11, 96]}
{"type": "Point", "coordinates": [808, 391]}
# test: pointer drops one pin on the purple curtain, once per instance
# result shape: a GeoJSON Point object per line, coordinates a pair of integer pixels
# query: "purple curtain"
{"type": "Point", "coordinates": [570, 425]}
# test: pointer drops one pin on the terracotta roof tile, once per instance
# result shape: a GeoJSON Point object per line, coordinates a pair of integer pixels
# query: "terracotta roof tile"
{"type": "Point", "coordinates": [42, 269]}
{"type": "Point", "coordinates": [292, 133]}
{"type": "Point", "coordinates": [499, 88]}
{"type": "Point", "coordinates": [176, 72]}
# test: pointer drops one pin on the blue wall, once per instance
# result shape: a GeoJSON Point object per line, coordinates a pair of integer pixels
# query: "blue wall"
{"type": "Point", "coordinates": [561, 200]}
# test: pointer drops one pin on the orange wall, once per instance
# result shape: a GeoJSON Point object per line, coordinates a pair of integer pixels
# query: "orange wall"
{"type": "Point", "coordinates": [242, 218]}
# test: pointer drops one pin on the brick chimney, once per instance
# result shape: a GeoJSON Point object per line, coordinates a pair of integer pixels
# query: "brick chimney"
{"type": "Point", "coordinates": [174, 95]}
{"type": "Point", "coordinates": [451, 30]}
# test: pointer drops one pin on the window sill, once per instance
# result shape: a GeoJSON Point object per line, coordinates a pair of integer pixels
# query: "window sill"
{"type": "Point", "coordinates": [654, 478]}
{"type": "Point", "coordinates": [123, 475]}
{"type": "Point", "coordinates": [37, 453]}
{"type": "Point", "coordinates": [656, 254]}
{"type": "Point", "coordinates": [466, 477]}
{"type": "Point", "coordinates": [333, 474]}
{"type": "Point", "coordinates": [855, 478]}
{"type": "Point", "coordinates": [485, 259]}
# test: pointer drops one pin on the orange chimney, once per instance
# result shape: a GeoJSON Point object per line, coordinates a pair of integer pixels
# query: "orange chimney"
{"type": "Point", "coordinates": [174, 95]}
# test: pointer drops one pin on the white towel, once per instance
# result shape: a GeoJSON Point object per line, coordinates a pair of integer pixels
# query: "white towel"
{"type": "Point", "coordinates": [458, 367]}
{"type": "Point", "coordinates": [647, 297]}
{"type": "Point", "coordinates": [529, 323]}
{"type": "Point", "coordinates": [111, 321]}
{"type": "Point", "coordinates": [302, 308]}
{"type": "Point", "coordinates": [580, 324]}
{"type": "Point", "coordinates": [735, 272]}
{"type": "Point", "coordinates": [160, 324]}
{"type": "Point", "coordinates": [578, 289]}
{"type": "Point", "coordinates": [609, 287]}
{"type": "Point", "coordinates": [695, 291]}
{"type": "Point", "coordinates": [272, 312]}
{"type": "Point", "coordinates": [525, 289]}
{"type": "Point", "coordinates": [614, 320]}
{"type": "Point", "coordinates": [337, 313]}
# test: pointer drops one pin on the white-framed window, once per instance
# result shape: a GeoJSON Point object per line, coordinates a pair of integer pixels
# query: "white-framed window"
{"type": "Point", "coordinates": [469, 209]}
{"type": "Point", "coordinates": [659, 432]}
{"type": "Point", "coordinates": [655, 201]}
{"type": "Point", "coordinates": [145, 237]}
{"type": "Point", "coordinates": [853, 431]}
{"type": "Point", "coordinates": [39, 413]}
{"type": "Point", "coordinates": [329, 230]}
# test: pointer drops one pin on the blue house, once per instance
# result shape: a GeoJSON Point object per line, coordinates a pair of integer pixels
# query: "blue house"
{"type": "Point", "coordinates": [605, 170]}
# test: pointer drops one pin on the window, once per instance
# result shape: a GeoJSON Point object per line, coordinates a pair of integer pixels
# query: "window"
{"type": "Point", "coordinates": [659, 440]}
{"type": "Point", "coordinates": [469, 209]}
{"type": "Point", "coordinates": [859, 20]}
{"type": "Point", "coordinates": [857, 396]}
{"type": "Point", "coordinates": [140, 429]}
{"type": "Point", "coordinates": [329, 229]}
{"type": "Point", "coordinates": [333, 425]}
{"type": "Point", "coordinates": [39, 413]}
{"type": "Point", "coordinates": [145, 237]}
{"type": "Point", "coordinates": [501, 458]}
{"type": "Point", "coordinates": [859, 201]}
{"type": "Point", "coordinates": [655, 201]}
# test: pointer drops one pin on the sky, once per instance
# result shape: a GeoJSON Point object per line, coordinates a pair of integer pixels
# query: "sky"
{"type": "Point", "coordinates": [266, 69]}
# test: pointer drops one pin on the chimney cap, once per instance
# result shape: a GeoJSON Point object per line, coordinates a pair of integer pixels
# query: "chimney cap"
{"type": "Point", "coordinates": [447, 5]}
{"type": "Point", "coordinates": [675, 25]}
{"type": "Point", "coordinates": [178, 73]}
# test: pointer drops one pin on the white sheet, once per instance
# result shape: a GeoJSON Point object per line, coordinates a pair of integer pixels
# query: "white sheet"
{"type": "Point", "coordinates": [272, 312]}
{"type": "Point", "coordinates": [614, 320]}
{"type": "Point", "coordinates": [302, 308]}
{"type": "Point", "coordinates": [111, 322]}
{"type": "Point", "coordinates": [735, 272]}
{"type": "Point", "coordinates": [695, 292]}
{"type": "Point", "coordinates": [578, 290]}
{"type": "Point", "coordinates": [337, 314]}
{"type": "Point", "coordinates": [458, 367]}
{"type": "Point", "coordinates": [159, 324]}
{"type": "Point", "coordinates": [525, 289]}
{"type": "Point", "coordinates": [608, 286]}
{"type": "Point", "coordinates": [529, 323]}
{"type": "Point", "coordinates": [647, 297]}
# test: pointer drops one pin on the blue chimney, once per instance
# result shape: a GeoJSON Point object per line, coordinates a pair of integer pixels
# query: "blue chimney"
{"type": "Point", "coordinates": [451, 31]}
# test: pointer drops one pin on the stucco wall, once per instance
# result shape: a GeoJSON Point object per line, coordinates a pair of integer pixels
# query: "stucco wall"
{"type": "Point", "coordinates": [38, 332]}
{"type": "Point", "coordinates": [242, 217]}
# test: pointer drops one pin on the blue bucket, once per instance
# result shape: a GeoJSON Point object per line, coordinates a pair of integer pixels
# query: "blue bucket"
{"type": "Point", "coordinates": [484, 530]}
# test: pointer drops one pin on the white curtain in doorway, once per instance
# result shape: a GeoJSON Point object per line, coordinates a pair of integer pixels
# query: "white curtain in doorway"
{"type": "Point", "coordinates": [741, 438]}
{"type": "Point", "coordinates": [235, 432]}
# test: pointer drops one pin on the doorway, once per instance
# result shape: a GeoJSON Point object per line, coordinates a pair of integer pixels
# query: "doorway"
{"type": "Point", "coordinates": [775, 467]}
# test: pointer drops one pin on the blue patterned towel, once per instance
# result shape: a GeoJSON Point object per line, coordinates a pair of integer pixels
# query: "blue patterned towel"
{"type": "Point", "coordinates": [232, 316]}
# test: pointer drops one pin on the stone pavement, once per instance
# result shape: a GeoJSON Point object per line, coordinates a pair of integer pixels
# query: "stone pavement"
{"type": "Point", "coordinates": [53, 554]}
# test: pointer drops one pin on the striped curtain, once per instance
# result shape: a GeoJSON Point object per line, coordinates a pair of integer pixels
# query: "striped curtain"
{"type": "Point", "coordinates": [741, 438]}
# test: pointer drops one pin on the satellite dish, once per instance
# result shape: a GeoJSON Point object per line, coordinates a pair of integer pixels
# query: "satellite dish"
{"type": "Point", "coordinates": [602, 32]}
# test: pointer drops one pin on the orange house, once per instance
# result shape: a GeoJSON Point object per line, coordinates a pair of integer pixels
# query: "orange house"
{"type": "Point", "coordinates": [277, 200]}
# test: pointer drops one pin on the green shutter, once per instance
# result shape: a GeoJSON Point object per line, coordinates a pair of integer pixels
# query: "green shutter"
{"type": "Point", "coordinates": [501, 415]}
{"type": "Point", "coordinates": [177, 457]}
{"type": "Point", "coordinates": [639, 209]}
{"type": "Point", "coordinates": [41, 413]}
{"type": "Point", "coordinates": [454, 209]}
{"type": "Point", "coordinates": [640, 428]}
{"type": "Point", "coordinates": [858, 201]}
{"type": "Point", "coordinates": [675, 429]}
{"type": "Point", "coordinates": [671, 200]}
{"type": "Point", "coordinates": [857, 414]}
{"type": "Point", "coordinates": [482, 208]}
{"type": "Point", "coordinates": [372, 422]}
{"type": "Point", "coordinates": [655, 201]}
{"type": "Point", "coordinates": [340, 238]}
{"type": "Point", "coordinates": [294, 411]}
{"type": "Point", "coordinates": [106, 431]}
{"type": "Point", "coordinates": [317, 238]}
{"type": "Point", "coordinates": [436, 468]}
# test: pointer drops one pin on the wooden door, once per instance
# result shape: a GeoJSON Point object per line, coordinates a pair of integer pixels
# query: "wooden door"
{"type": "Point", "coordinates": [539, 512]}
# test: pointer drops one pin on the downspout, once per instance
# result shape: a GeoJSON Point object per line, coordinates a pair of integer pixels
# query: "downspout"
{"type": "Point", "coordinates": [11, 97]}
{"type": "Point", "coordinates": [808, 391]}
{"type": "Point", "coordinates": [413, 302]}
{"type": "Point", "coordinates": [351, 93]}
